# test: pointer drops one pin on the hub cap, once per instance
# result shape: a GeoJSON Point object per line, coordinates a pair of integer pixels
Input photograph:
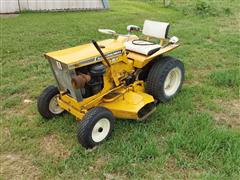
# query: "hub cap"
{"type": "Point", "coordinates": [172, 81]}
{"type": "Point", "coordinates": [54, 107]}
{"type": "Point", "coordinates": [101, 130]}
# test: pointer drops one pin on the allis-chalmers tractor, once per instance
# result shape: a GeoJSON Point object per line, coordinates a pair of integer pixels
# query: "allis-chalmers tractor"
{"type": "Point", "coordinates": [123, 77]}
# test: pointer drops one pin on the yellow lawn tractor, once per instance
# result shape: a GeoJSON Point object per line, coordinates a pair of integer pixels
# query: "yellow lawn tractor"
{"type": "Point", "coordinates": [123, 77]}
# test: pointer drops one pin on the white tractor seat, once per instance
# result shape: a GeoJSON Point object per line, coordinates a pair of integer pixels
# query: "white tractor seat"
{"type": "Point", "coordinates": [153, 29]}
{"type": "Point", "coordinates": [142, 47]}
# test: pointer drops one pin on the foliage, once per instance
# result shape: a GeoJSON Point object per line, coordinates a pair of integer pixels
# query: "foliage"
{"type": "Point", "coordinates": [204, 8]}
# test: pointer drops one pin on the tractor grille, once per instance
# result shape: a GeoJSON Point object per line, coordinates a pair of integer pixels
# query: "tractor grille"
{"type": "Point", "coordinates": [63, 77]}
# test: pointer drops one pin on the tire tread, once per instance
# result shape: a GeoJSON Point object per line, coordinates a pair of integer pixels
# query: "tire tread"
{"type": "Point", "coordinates": [44, 99]}
{"type": "Point", "coordinates": [157, 75]}
{"type": "Point", "coordinates": [85, 125]}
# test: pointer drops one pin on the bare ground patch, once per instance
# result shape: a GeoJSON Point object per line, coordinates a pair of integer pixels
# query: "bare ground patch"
{"type": "Point", "coordinates": [114, 176]}
{"type": "Point", "coordinates": [20, 109]}
{"type": "Point", "coordinates": [182, 173]}
{"type": "Point", "coordinates": [51, 144]}
{"type": "Point", "coordinates": [99, 163]}
{"type": "Point", "coordinates": [192, 82]}
{"type": "Point", "coordinates": [14, 166]}
{"type": "Point", "coordinates": [8, 15]}
{"type": "Point", "coordinates": [230, 25]}
{"type": "Point", "coordinates": [172, 169]}
{"type": "Point", "coordinates": [5, 134]}
{"type": "Point", "coordinates": [230, 113]}
{"type": "Point", "coordinates": [198, 75]}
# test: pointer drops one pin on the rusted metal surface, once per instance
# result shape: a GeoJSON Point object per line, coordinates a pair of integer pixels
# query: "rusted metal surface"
{"type": "Point", "coordinates": [80, 80]}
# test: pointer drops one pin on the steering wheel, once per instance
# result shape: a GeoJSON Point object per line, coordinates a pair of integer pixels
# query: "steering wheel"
{"type": "Point", "coordinates": [107, 31]}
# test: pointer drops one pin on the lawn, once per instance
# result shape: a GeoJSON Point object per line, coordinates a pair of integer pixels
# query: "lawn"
{"type": "Point", "coordinates": [196, 135]}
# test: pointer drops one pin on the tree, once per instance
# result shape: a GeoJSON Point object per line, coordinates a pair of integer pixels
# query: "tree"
{"type": "Point", "coordinates": [166, 3]}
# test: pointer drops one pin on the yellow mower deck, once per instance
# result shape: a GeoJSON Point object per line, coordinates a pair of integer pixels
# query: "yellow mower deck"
{"type": "Point", "coordinates": [124, 102]}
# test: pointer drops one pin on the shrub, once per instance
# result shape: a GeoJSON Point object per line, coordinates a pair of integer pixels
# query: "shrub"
{"type": "Point", "coordinates": [205, 8]}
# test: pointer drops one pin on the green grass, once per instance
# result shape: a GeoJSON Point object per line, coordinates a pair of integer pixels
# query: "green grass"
{"type": "Point", "coordinates": [227, 78]}
{"type": "Point", "coordinates": [181, 140]}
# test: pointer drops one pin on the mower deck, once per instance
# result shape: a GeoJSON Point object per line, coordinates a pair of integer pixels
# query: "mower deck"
{"type": "Point", "coordinates": [124, 102]}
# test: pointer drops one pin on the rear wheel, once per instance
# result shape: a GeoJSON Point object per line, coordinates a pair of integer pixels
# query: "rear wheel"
{"type": "Point", "coordinates": [47, 103]}
{"type": "Point", "coordinates": [165, 78]}
{"type": "Point", "coordinates": [96, 126]}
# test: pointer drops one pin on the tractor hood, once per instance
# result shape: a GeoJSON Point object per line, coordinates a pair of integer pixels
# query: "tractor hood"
{"type": "Point", "coordinates": [86, 54]}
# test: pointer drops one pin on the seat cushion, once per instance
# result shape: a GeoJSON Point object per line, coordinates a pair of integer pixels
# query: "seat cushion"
{"type": "Point", "coordinates": [156, 29]}
{"type": "Point", "coordinates": [142, 47]}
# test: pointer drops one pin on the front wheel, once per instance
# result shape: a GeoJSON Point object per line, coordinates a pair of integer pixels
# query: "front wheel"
{"type": "Point", "coordinates": [47, 103]}
{"type": "Point", "coordinates": [96, 126]}
{"type": "Point", "coordinates": [165, 78]}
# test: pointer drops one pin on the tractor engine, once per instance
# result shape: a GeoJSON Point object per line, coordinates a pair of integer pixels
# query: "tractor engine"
{"type": "Point", "coordinates": [80, 75]}
{"type": "Point", "coordinates": [89, 79]}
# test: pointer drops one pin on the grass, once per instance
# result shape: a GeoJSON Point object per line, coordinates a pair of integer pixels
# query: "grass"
{"type": "Point", "coordinates": [229, 78]}
{"type": "Point", "coordinates": [184, 139]}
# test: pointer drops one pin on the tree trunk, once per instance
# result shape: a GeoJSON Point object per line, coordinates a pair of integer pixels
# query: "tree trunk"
{"type": "Point", "coordinates": [166, 3]}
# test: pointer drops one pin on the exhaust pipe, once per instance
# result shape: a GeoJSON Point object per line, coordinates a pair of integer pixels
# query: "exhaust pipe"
{"type": "Point", "coordinates": [80, 80]}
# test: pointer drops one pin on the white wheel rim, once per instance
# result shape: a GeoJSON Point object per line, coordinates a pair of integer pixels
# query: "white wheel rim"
{"type": "Point", "coordinates": [54, 107]}
{"type": "Point", "coordinates": [172, 81]}
{"type": "Point", "coordinates": [101, 130]}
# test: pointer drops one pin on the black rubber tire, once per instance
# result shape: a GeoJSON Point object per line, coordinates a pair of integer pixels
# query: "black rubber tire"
{"type": "Point", "coordinates": [86, 125]}
{"type": "Point", "coordinates": [44, 100]}
{"type": "Point", "coordinates": [157, 76]}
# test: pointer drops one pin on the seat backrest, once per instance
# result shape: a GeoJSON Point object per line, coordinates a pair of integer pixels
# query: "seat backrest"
{"type": "Point", "coordinates": [156, 29]}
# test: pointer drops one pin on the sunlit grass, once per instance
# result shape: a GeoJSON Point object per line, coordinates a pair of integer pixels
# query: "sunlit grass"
{"type": "Point", "coordinates": [181, 140]}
